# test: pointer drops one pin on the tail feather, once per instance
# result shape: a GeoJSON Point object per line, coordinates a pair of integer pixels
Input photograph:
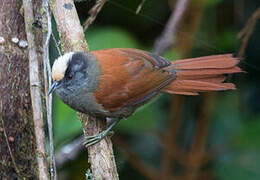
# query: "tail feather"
{"type": "Point", "coordinates": [211, 79]}
{"type": "Point", "coordinates": [214, 62]}
{"type": "Point", "coordinates": [202, 74]}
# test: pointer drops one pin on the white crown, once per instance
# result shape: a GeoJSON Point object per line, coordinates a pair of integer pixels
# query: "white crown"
{"type": "Point", "coordinates": [60, 65]}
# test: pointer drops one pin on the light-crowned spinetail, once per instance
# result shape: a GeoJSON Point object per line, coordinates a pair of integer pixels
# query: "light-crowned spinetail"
{"type": "Point", "coordinates": [112, 83]}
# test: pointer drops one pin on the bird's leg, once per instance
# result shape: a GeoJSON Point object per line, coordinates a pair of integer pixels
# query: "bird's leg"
{"type": "Point", "coordinates": [90, 140]}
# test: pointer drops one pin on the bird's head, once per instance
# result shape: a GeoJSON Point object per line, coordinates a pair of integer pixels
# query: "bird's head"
{"type": "Point", "coordinates": [74, 70]}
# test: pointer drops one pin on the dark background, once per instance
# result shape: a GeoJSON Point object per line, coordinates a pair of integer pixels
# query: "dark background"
{"type": "Point", "coordinates": [212, 136]}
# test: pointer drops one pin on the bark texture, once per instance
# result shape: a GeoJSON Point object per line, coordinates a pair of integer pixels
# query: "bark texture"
{"type": "Point", "coordinates": [17, 140]}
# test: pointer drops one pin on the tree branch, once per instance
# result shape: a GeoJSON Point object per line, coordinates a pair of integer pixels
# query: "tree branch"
{"type": "Point", "coordinates": [143, 168]}
{"type": "Point", "coordinates": [70, 151]}
{"type": "Point", "coordinates": [195, 157]}
{"type": "Point", "coordinates": [247, 31]}
{"type": "Point", "coordinates": [166, 40]}
{"type": "Point", "coordinates": [139, 7]}
{"type": "Point", "coordinates": [101, 155]}
{"type": "Point", "coordinates": [93, 13]}
{"type": "Point", "coordinates": [35, 89]}
{"type": "Point", "coordinates": [47, 83]}
{"type": "Point", "coordinates": [170, 140]}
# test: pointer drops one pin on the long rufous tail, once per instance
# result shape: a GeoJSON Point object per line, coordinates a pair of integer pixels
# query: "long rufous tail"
{"type": "Point", "coordinates": [202, 74]}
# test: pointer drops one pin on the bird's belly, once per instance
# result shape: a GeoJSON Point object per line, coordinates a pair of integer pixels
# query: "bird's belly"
{"type": "Point", "coordinates": [86, 102]}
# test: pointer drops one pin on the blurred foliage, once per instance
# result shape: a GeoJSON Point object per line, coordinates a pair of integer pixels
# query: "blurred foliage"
{"type": "Point", "coordinates": [66, 124]}
{"type": "Point", "coordinates": [208, 3]}
{"type": "Point", "coordinates": [234, 128]}
{"type": "Point", "coordinates": [110, 37]}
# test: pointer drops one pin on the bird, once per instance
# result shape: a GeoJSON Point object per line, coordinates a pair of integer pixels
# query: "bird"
{"type": "Point", "coordinates": [113, 83]}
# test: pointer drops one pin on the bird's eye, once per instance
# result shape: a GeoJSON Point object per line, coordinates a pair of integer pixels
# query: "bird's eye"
{"type": "Point", "coordinates": [70, 76]}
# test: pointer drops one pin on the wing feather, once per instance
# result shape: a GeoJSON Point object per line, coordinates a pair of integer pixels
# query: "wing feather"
{"type": "Point", "coordinates": [130, 77]}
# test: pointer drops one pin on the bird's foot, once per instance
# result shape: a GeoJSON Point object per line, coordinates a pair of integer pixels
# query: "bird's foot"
{"type": "Point", "coordinates": [91, 140]}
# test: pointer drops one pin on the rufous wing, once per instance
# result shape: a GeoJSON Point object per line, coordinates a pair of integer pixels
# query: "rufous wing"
{"type": "Point", "coordinates": [129, 77]}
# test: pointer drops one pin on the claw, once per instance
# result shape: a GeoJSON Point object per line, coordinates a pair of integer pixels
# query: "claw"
{"type": "Point", "coordinates": [91, 140]}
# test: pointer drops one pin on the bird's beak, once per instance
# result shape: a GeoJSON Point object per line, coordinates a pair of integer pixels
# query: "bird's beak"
{"type": "Point", "coordinates": [53, 87]}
